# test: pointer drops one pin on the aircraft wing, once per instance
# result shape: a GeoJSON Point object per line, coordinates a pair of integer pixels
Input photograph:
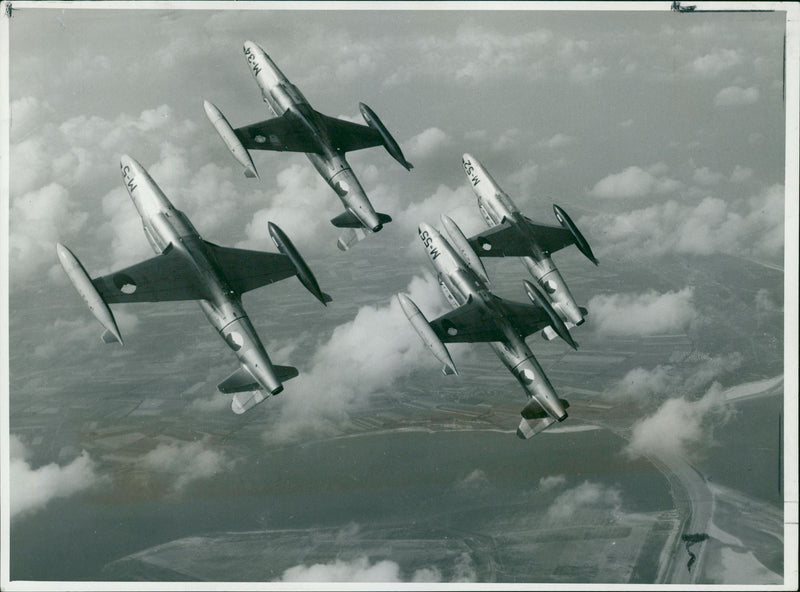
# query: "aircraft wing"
{"type": "Point", "coordinates": [502, 240]}
{"type": "Point", "coordinates": [526, 318]}
{"type": "Point", "coordinates": [347, 136]}
{"type": "Point", "coordinates": [247, 270]}
{"type": "Point", "coordinates": [551, 238]}
{"type": "Point", "coordinates": [284, 134]}
{"type": "Point", "coordinates": [165, 277]}
{"type": "Point", "coordinates": [465, 324]}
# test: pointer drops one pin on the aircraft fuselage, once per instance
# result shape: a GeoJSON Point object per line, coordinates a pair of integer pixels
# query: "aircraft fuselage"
{"type": "Point", "coordinates": [285, 99]}
{"type": "Point", "coordinates": [168, 228]}
{"type": "Point", "coordinates": [460, 284]}
{"type": "Point", "coordinates": [496, 207]}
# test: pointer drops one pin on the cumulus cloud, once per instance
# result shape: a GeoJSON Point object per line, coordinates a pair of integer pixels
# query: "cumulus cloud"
{"type": "Point", "coordinates": [186, 461]}
{"type": "Point", "coordinates": [76, 153]}
{"type": "Point", "coordinates": [588, 494]}
{"type": "Point", "coordinates": [643, 384]}
{"type": "Point", "coordinates": [732, 96]}
{"type": "Point", "coordinates": [678, 427]}
{"type": "Point", "coordinates": [751, 226]}
{"type": "Point", "coordinates": [302, 207]}
{"type": "Point", "coordinates": [363, 362]}
{"type": "Point", "coordinates": [706, 176]}
{"type": "Point", "coordinates": [646, 313]}
{"type": "Point", "coordinates": [551, 482]}
{"type": "Point", "coordinates": [361, 569]}
{"type": "Point", "coordinates": [557, 141]}
{"type": "Point", "coordinates": [716, 62]}
{"type": "Point", "coordinates": [741, 174]}
{"type": "Point", "coordinates": [475, 478]}
{"type": "Point", "coordinates": [39, 219]}
{"type": "Point", "coordinates": [635, 182]}
{"type": "Point", "coordinates": [82, 332]}
{"type": "Point", "coordinates": [32, 489]}
{"type": "Point", "coordinates": [587, 72]}
{"type": "Point", "coordinates": [426, 143]}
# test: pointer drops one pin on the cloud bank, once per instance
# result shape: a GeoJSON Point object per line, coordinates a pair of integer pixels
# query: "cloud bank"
{"type": "Point", "coordinates": [635, 182]}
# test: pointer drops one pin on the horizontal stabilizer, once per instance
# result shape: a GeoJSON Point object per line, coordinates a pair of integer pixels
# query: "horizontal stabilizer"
{"type": "Point", "coordinates": [245, 401]}
{"type": "Point", "coordinates": [350, 237]}
{"type": "Point", "coordinates": [346, 220]}
{"type": "Point", "coordinates": [527, 428]}
{"type": "Point", "coordinates": [239, 381]}
{"type": "Point", "coordinates": [285, 373]}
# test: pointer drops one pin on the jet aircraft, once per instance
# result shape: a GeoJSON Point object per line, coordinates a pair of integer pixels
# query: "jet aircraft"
{"type": "Point", "coordinates": [511, 234]}
{"type": "Point", "coordinates": [480, 316]}
{"type": "Point", "coordinates": [297, 127]}
{"type": "Point", "coordinates": [188, 268]}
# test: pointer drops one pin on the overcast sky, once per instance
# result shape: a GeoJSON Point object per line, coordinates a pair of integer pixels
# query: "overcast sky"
{"type": "Point", "coordinates": [662, 135]}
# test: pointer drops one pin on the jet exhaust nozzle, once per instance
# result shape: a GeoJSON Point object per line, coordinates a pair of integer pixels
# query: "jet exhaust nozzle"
{"type": "Point", "coordinates": [556, 322]}
{"type": "Point", "coordinates": [580, 241]}
{"type": "Point", "coordinates": [304, 274]}
{"type": "Point", "coordinates": [230, 138]}
{"type": "Point", "coordinates": [389, 142]}
{"type": "Point", "coordinates": [427, 334]}
{"type": "Point", "coordinates": [83, 284]}
{"type": "Point", "coordinates": [460, 242]}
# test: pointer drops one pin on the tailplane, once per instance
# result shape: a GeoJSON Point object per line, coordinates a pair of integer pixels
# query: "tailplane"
{"type": "Point", "coordinates": [247, 391]}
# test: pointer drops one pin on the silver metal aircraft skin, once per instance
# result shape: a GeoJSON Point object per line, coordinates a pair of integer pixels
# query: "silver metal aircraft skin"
{"type": "Point", "coordinates": [513, 234]}
{"type": "Point", "coordinates": [188, 268]}
{"type": "Point", "coordinates": [297, 127]}
{"type": "Point", "coordinates": [480, 316]}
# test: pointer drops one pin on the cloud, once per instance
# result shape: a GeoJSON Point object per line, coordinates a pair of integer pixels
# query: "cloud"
{"type": "Point", "coordinates": [557, 141]}
{"type": "Point", "coordinates": [363, 361]}
{"type": "Point", "coordinates": [587, 494]}
{"type": "Point", "coordinates": [357, 570]}
{"type": "Point", "coordinates": [39, 219]}
{"type": "Point", "coordinates": [361, 569]}
{"type": "Point", "coordinates": [749, 226]}
{"type": "Point", "coordinates": [426, 144]}
{"type": "Point", "coordinates": [475, 478]}
{"type": "Point", "coordinates": [678, 427]}
{"type": "Point", "coordinates": [646, 313]}
{"type": "Point", "coordinates": [716, 62]}
{"type": "Point", "coordinates": [302, 207]}
{"type": "Point", "coordinates": [634, 182]}
{"type": "Point", "coordinates": [587, 72]}
{"type": "Point", "coordinates": [706, 176]}
{"type": "Point", "coordinates": [187, 461]}
{"type": "Point", "coordinates": [741, 174]}
{"type": "Point", "coordinates": [32, 489]}
{"type": "Point", "coordinates": [643, 384]}
{"type": "Point", "coordinates": [551, 482]}
{"type": "Point", "coordinates": [732, 96]}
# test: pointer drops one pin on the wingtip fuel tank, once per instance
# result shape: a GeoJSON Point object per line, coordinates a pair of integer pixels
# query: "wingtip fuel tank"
{"type": "Point", "coordinates": [83, 284]}
{"type": "Point", "coordinates": [389, 142]}
{"type": "Point", "coordinates": [580, 241]}
{"type": "Point", "coordinates": [228, 136]}
{"type": "Point", "coordinates": [556, 322]}
{"type": "Point", "coordinates": [304, 274]}
{"type": "Point", "coordinates": [426, 333]}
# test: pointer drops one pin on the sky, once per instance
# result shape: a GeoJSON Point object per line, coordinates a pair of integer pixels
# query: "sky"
{"type": "Point", "coordinates": [661, 134]}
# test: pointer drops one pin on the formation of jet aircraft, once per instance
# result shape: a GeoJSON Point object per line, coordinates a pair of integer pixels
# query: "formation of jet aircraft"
{"type": "Point", "coordinates": [188, 268]}
{"type": "Point", "coordinates": [480, 316]}
{"type": "Point", "coordinates": [297, 127]}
